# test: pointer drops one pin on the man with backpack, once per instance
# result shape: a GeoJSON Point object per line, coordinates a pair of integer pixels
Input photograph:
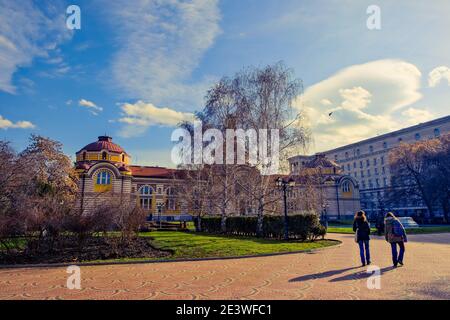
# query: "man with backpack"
{"type": "Point", "coordinates": [395, 234]}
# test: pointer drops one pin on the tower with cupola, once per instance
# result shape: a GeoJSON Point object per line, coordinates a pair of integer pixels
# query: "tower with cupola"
{"type": "Point", "coordinates": [104, 173]}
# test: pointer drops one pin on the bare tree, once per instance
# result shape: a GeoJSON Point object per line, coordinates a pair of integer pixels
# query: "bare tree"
{"type": "Point", "coordinates": [421, 171]}
{"type": "Point", "coordinates": [257, 99]}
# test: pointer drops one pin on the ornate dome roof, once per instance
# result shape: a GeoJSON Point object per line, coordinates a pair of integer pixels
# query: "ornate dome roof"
{"type": "Point", "coordinates": [321, 161]}
{"type": "Point", "coordinates": [103, 143]}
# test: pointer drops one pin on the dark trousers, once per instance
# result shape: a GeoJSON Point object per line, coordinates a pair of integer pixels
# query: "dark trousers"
{"type": "Point", "coordinates": [364, 244]}
{"type": "Point", "coordinates": [397, 257]}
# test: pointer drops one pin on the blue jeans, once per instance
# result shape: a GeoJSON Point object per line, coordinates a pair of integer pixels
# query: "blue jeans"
{"type": "Point", "coordinates": [364, 244]}
{"type": "Point", "coordinates": [397, 258]}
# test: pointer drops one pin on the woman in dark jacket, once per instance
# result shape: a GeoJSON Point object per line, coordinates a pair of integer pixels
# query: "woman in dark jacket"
{"type": "Point", "coordinates": [362, 228]}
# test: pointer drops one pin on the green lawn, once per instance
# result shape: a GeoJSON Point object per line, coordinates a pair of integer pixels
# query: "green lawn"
{"type": "Point", "coordinates": [195, 245]}
{"type": "Point", "coordinates": [420, 230]}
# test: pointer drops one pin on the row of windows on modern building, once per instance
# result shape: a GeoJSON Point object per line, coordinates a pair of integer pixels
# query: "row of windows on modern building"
{"type": "Point", "coordinates": [385, 146]}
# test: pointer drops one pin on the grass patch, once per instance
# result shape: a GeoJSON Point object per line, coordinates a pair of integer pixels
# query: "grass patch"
{"type": "Point", "coordinates": [200, 245]}
{"type": "Point", "coordinates": [191, 245]}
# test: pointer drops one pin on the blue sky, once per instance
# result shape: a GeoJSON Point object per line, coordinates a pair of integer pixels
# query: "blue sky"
{"type": "Point", "coordinates": [135, 68]}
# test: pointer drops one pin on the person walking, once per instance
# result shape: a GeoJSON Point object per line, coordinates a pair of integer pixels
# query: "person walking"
{"type": "Point", "coordinates": [395, 234]}
{"type": "Point", "coordinates": [361, 227]}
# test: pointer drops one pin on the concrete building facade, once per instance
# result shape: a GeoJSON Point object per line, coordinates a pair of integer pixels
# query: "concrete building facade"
{"type": "Point", "coordinates": [367, 162]}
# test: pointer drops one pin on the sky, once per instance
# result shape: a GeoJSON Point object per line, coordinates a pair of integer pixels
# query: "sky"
{"type": "Point", "coordinates": [136, 68]}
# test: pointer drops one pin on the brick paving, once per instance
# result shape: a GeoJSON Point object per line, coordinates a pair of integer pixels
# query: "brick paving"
{"type": "Point", "coordinates": [333, 273]}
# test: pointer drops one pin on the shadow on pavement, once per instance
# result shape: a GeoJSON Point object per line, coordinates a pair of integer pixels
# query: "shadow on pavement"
{"type": "Point", "coordinates": [360, 275]}
{"type": "Point", "coordinates": [321, 275]}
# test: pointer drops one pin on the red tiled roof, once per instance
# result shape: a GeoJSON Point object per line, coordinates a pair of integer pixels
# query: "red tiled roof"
{"type": "Point", "coordinates": [156, 172]}
{"type": "Point", "coordinates": [103, 143]}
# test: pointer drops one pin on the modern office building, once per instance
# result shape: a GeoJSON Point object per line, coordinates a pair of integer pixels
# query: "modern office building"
{"type": "Point", "coordinates": [367, 162]}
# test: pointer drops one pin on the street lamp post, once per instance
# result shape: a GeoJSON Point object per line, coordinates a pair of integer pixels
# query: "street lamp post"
{"type": "Point", "coordinates": [159, 206]}
{"type": "Point", "coordinates": [285, 185]}
{"type": "Point", "coordinates": [325, 215]}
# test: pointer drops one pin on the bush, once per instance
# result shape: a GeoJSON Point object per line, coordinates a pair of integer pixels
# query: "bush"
{"type": "Point", "coordinates": [302, 227]}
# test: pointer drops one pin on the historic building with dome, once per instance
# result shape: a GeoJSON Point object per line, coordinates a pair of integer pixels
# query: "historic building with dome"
{"type": "Point", "coordinates": [105, 173]}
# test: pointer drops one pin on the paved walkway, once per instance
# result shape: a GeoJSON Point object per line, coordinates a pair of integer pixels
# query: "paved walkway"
{"type": "Point", "coordinates": [332, 273]}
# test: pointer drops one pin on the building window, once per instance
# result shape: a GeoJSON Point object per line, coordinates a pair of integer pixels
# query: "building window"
{"type": "Point", "coordinates": [104, 155]}
{"type": "Point", "coordinates": [104, 178]}
{"type": "Point", "coordinates": [146, 203]}
{"type": "Point", "coordinates": [362, 174]}
{"type": "Point", "coordinates": [346, 186]}
{"type": "Point", "coordinates": [84, 155]}
{"type": "Point", "coordinates": [377, 181]}
{"type": "Point", "coordinates": [376, 171]}
{"type": "Point", "coordinates": [145, 191]}
{"type": "Point", "coordinates": [370, 148]}
{"type": "Point", "coordinates": [417, 136]}
{"type": "Point", "coordinates": [437, 132]}
{"type": "Point", "coordinates": [368, 172]}
{"type": "Point", "coordinates": [367, 163]}
{"type": "Point", "coordinates": [348, 166]}
{"type": "Point", "coordinates": [385, 145]}
{"type": "Point", "coordinates": [354, 165]}
{"type": "Point", "coordinates": [385, 181]}
{"type": "Point", "coordinates": [383, 170]}
{"type": "Point", "coordinates": [358, 152]}
{"type": "Point", "coordinates": [123, 158]}
{"type": "Point", "coordinates": [145, 200]}
{"type": "Point", "coordinates": [335, 157]}
{"type": "Point", "coordinates": [370, 184]}
{"type": "Point", "coordinates": [364, 185]}
{"type": "Point", "coordinates": [382, 159]}
{"type": "Point", "coordinates": [170, 204]}
{"type": "Point", "coordinates": [374, 161]}
{"type": "Point", "coordinates": [346, 155]}
{"type": "Point", "coordinates": [170, 191]}
{"type": "Point", "coordinates": [361, 164]}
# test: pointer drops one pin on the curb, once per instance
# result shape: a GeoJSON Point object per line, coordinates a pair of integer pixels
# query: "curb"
{"type": "Point", "coordinates": [90, 264]}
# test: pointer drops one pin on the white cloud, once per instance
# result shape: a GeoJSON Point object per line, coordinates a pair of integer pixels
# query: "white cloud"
{"type": "Point", "coordinates": [139, 116]}
{"type": "Point", "coordinates": [368, 98]}
{"type": "Point", "coordinates": [92, 107]}
{"type": "Point", "coordinates": [160, 45]}
{"type": "Point", "coordinates": [8, 124]}
{"type": "Point", "coordinates": [438, 74]}
{"type": "Point", "coordinates": [26, 32]}
{"type": "Point", "coordinates": [415, 116]}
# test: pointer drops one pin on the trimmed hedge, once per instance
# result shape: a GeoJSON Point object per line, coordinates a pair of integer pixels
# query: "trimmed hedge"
{"type": "Point", "coordinates": [301, 227]}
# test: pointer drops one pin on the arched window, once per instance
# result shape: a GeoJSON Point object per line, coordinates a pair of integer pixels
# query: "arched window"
{"type": "Point", "coordinates": [104, 178]}
{"type": "Point", "coordinates": [104, 155]}
{"type": "Point", "coordinates": [170, 191]}
{"type": "Point", "coordinates": [346, 186]}
{"type": "Point", "coordinates": [437, 132]}
{"type": "Point", "coordinates": [146, 191]}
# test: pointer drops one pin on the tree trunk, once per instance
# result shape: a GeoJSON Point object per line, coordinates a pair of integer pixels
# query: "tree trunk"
{"type": "Point", "coordinates": [259, 224]}
{"type": "Point", "coordinates": [198, 227]}
{"type": "Point", "coordinates": [223, 222]}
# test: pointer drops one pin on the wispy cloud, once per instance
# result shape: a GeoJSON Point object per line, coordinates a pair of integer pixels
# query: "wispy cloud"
{"type": "Point", "coordinates": [8, 124]}
{"type": "Point", "coordinates": [27, 31]}
{"type": "Point", "coordinates": [91, 106]}
{"type": "Point", "coordinates": [139, 116]}
{"type": "Point", "coordinates": [364, 100]}
{"type": "Point", "coordinates": [438, 74]}
{"type": "Point", "coordinates": [160, 44]}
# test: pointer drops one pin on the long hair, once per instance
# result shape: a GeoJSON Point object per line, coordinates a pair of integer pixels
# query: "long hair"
{"type": "Point", "coordinates": [361, 215]}
{"type": "Point", "coordinates": [390, 215]}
